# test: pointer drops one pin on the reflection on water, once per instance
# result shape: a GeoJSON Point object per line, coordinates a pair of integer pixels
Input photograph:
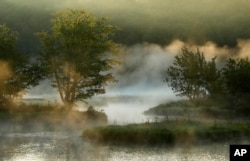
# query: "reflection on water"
{"type": "Point", "coordinates": [68, 146]}
{"type": "Point", "coordinates": [43, 146]}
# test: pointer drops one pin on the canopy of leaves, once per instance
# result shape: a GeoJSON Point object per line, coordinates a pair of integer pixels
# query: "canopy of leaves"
{"type": "Point", "coordinates": [192, 76]}
{"type": "Point", "coordinates": [17, 73]}
{"type": "Point", "coordinates": [77, 54]}
{"type": "Point", "coordinates": [8, 40]}
{"type": "Point", "coordinates": [237, 76]}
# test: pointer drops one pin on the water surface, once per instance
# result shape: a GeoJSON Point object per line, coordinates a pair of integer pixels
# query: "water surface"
{"type": "Point", "coordinates": [65, 146]}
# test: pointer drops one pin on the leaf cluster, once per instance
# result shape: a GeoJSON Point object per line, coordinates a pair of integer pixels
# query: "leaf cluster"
{"type": "Point", "coordinates": [77, 53]}
{"type": "Point", "coordinates": [192, 75]}
{"type": "Point", "coordinates": [18, 73]}
{"type": "Point", "coordinates": [237, 76]}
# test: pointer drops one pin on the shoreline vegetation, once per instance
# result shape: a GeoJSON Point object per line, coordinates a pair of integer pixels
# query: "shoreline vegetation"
{"type": "Point", "coordinates": [184, 109]}
{"type": "Point", "coordinates": [192, 125]}
{"type": "Point", "coordinates": [177, 132]}
{"type": "Point", "coordinates": [184, 124]}
{"type": "Point", "coordinates": [78, 53]}
{"type": "Point", "coordinates": [35, 117]}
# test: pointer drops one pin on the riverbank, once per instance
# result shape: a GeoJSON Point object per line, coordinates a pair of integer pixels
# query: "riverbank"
{"type": "Point", "coordinates": [37, 118]}
{"type": "Point", "coordinates": [204, 109]}
{"type": "Point", "coordinates": [186, 110]}
{"type": "Point", "coordinates": [170, 133]}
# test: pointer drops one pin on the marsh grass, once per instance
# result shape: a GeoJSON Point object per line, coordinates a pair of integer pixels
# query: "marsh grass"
{"type": "Point", "coordinates": [169, 133]}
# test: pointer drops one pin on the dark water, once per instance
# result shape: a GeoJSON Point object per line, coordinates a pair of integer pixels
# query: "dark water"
{"type": "Point", "coordinates": [67, 146]}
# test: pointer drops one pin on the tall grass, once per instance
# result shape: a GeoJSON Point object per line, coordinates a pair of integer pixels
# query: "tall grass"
{"type": "Point", "coordinates": [169, 133]}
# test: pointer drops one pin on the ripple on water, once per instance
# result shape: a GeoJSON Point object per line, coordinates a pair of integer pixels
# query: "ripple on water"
{"type": "Point", "coordinates": [65, 146]}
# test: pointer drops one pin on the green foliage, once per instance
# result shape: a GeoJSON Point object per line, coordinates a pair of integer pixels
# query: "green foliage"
{"type": "Point", "coordinates": [199, 80]}
{"type": "Point", "coordinates": [77, 54]}
{"type": "Point", "coordinates": [192, 76]}
{"type": "Point", "coordinates": [236, 75]}
{"type": "Point", "coordinates": [131, 134]}
{"type": "Point", "coordinates": [17, 73]}
{"type": "Point", "coordinates": [8, 40]}
{"type": "Point", "coordinates": [169, 133]}
{"type": "Point", "coordinates": [181, 108]}
{"type": "Point", "coordinates": [186, 110]}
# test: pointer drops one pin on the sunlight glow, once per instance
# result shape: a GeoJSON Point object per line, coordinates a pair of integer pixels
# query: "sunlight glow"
{"type": "Point", "coordinates": [28, 157]}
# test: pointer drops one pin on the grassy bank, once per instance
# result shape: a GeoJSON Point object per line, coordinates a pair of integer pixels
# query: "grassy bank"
{"type": "Point", "coordinates": [48, 118]}
{"type": "Point", "coordinates": [185, 109]}
{"type": "Point", "coordinates": [170, 133]}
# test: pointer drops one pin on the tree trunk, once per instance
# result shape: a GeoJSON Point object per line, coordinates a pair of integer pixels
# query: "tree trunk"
{"type": "Point", "coordinates": [68, 105]}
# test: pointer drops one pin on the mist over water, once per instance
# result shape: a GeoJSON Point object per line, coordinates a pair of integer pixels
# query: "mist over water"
{"type": "Point", "coordinates": [140, 76]}
{"type": "Point", "coordinates": [152, 33]}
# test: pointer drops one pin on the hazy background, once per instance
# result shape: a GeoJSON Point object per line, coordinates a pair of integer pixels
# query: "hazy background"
{"type": "Point", "coordinates": [151, 33]}
{"type": "Point", "coordinates": [158, 21]}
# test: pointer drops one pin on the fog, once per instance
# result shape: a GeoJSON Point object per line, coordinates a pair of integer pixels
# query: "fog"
{"type": "Point", "coordinates": [151, 34]}
{"type": "Point", "coordinates": [142, 67]}
{"type": "Point", "coordinates": [140, 76]}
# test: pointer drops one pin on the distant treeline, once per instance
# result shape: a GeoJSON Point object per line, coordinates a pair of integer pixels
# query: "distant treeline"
{"type": "Point", "coordinates": [222, 23]}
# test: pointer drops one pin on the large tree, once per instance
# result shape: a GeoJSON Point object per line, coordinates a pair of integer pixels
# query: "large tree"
{"type": "Point", "coordinates": [191, 75]}
{"type": "Point", "coordinates": [17, 72]}
{"type": "Point", "coordinates": [77, 54]}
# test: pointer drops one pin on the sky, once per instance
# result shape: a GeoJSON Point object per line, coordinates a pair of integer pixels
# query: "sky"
{"type": "Point", "coordinates": [152, 33]}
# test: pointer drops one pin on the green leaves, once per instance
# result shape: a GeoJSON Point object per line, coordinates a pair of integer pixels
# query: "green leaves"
{"type": "Point", "coordinates": [17, 72]}
{"type": "Point", "coordinates": [8, 37]}
{"type": "Point", "coordinates": [196, 78]}
{"type": "Point", "coordinates": [237, 76]}
{"type": "Point", "coordinates": [81, 30]}
{"type": "Point", "coordinates": [192, 76]}
{"type": "Point", "coordinates": [76, 51]}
